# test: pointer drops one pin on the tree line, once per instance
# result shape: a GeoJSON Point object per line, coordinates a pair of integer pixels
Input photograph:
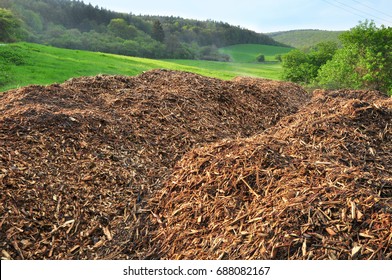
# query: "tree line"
{"type": "Point", "coordinates": [76, 25]}
{"type": "Point", "coordinates": [363, 62]}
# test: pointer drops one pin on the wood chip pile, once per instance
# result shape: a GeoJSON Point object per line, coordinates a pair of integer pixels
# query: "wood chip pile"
{"type": "Point", "coordinates": [80, 161]}
{"type": "Point", "coordinates": [318, 185]}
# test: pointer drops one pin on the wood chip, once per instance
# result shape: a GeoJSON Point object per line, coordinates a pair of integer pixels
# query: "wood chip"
{"type": "Point", "coordinates": [107, 233]}
{"type": "Point", "coordinates": [330, 231]}
{"type": "Point", "coordinates": [96, 168]}
{"type": "Point", "coordinates": [324, 186]}
{"type": "Point", "coordinates": [355, 251]}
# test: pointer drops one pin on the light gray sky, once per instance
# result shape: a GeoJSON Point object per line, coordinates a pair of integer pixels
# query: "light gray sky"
{"type": "Point", "coordinates": [264, 15]}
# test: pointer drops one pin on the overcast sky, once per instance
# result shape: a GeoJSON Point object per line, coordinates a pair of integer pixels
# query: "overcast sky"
{"type": "Point", "coordinates": [264, 15]}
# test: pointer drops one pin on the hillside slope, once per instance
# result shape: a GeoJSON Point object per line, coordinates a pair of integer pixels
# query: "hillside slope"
{"type": "Point", "coordinates": [301, 39]}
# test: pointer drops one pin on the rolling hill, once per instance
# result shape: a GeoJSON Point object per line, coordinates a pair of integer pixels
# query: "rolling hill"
{"type": "Point", "coordinates": [305, 38]}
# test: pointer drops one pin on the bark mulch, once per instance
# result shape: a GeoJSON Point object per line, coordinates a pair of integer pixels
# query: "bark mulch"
{"type": "Point", "coordinates": [81, 161]}
{"type": "Point", "coordinates": [318, 185]}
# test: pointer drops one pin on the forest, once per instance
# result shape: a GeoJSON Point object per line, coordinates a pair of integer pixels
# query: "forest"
{"type": "Point", "coordinates": [76, 25]}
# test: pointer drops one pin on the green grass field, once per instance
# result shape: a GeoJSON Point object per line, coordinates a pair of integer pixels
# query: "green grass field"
{"type": "Point", "coordinates": [23, 64]}
{"type": "Point", "coordinates": [248, 53]}
{"type": "Point", "coordinates": [229, 70]}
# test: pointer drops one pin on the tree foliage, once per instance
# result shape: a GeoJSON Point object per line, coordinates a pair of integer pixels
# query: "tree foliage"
{"type": "Point", "coordinates": [120, 28]}
{"type": "Point", "coordinates": [303, 66]}
{"type": "Point", "coordinates": [9, 26]}
{"type": "Point", "coordinates": [157, 31]}
{"type": "Point", "coordinates": [365, 61]}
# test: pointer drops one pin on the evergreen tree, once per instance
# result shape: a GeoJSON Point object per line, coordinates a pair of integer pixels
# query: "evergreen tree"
{"type": "Point", "coordinates": [157, 31]}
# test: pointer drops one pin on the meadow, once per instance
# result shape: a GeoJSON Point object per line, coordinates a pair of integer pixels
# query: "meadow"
{"type": "Point", "coordinates": [23, 64]}
{"type": "Point", "coordinates": [247, 53]}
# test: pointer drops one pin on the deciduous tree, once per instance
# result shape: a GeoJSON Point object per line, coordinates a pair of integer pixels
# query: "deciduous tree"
{"type": "Point", "coordinates": [364, 62]}
{"type": "Point", "coordinates": [302, 67]}
{"type": "Point", "coordinates": [122, 29]}
{"type": "Point", "coordinates": [10, 26]}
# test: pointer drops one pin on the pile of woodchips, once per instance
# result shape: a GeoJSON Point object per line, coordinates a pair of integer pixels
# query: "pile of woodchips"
{"type": "Point", "coordinates": [173, 165]}
{"type": "Point", "coordinates": [81, 162]}
{"type": "Point", "coordinates": [318, 185]}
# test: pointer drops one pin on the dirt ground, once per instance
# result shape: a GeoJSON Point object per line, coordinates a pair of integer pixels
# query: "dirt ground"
{"type": "Point", "coordinates": [173, 165]}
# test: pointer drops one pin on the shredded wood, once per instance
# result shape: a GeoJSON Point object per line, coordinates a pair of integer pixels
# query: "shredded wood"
{"type": "Point", "coordinates": [316, 186]}
{"type": "Point", "coordinates": [81, 162]}
{"type": "Point", "coordinates": [173, 165]}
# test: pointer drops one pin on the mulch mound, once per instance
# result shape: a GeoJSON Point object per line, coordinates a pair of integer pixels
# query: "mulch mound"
{"type": "Point", "coordinates": [79, 161]}
{"type": "Point", "coordinates": [318, 185]}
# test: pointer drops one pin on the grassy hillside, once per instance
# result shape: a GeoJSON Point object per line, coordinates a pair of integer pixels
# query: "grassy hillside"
{"type": "Point", "coordinates": [24, 64]}
{"type": "Point", "coordinates": [229, 70]}
{"type": "Point", "coordinates": [249, 52]}
{"type": "Point", "coordinates": [305, 38]}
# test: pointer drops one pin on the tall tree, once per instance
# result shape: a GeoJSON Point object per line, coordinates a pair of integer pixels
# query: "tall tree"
{"type": "Point", "coordinates": [122, 29]}
{"type": "Point", "coordinates": [157, 31]}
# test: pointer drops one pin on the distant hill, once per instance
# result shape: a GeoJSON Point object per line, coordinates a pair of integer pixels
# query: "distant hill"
{"type": "Point", "coordinates": [305, 38]}
{"type": "Point", "coordinates": [76, 25]}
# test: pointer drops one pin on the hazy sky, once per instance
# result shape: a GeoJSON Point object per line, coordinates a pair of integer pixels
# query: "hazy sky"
{"type": "Point", "coordinates": [264, 15]}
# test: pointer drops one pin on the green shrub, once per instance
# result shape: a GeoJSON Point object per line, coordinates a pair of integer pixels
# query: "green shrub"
{"type": "Point", "coordinates": [11, 55]}
{"type": "Point", "coordinates": [364, 62]}
{"type": "Point", "coordinates": [260, 58]}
